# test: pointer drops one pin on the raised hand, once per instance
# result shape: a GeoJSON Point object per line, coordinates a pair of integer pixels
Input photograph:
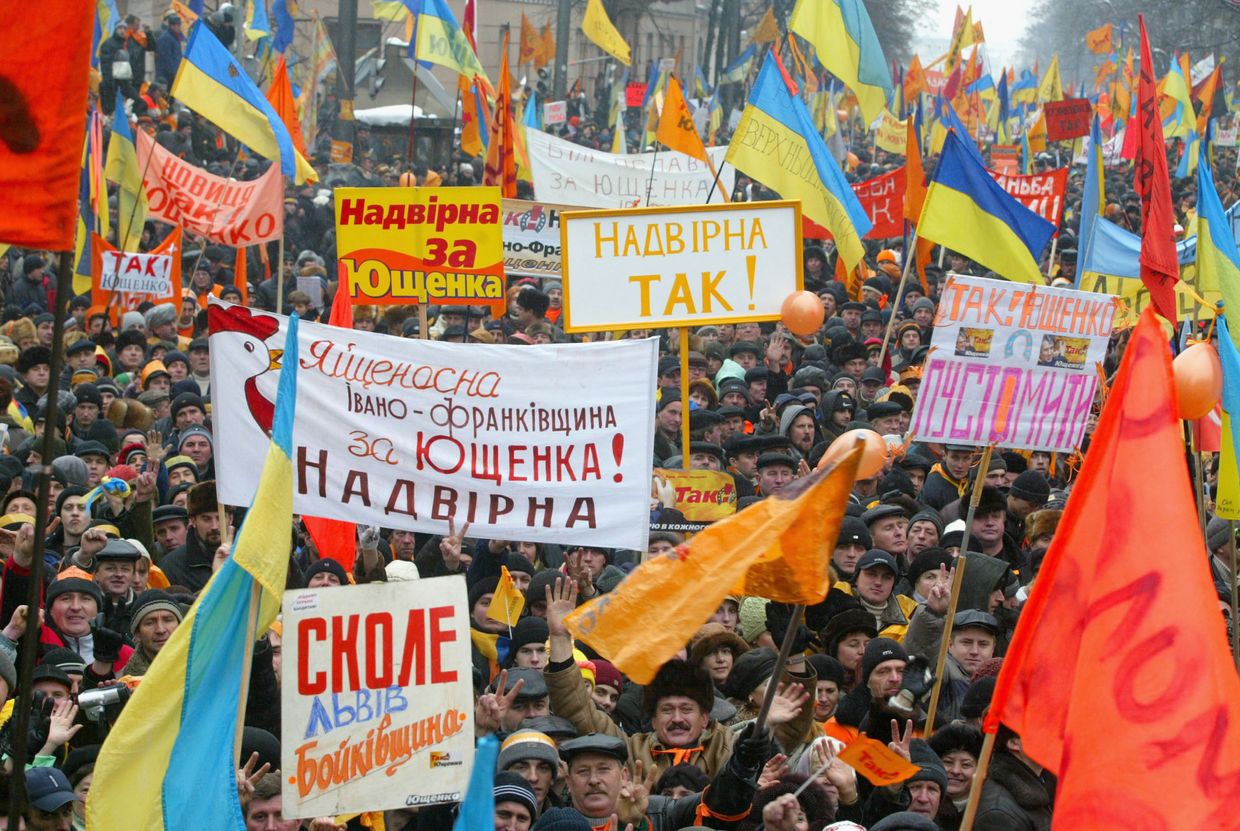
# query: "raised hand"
{"type": "Point", "coordinates": [248, 776]}
{"type": "Point", "coordinates": [940, 594]}
{"type": "Point", "coordinates": [775, 768]}
{"type": "Point", "coordinates": [561, 601]}
{"type": "Point", "coordinates": [901, 743]}
{"type": "Point", "coordinates": [450, 546]}
{"type": "Point", "coordinates": [491, 708]}
{"type": "Point", "coordinates": [61, 727]}
{"type": "Point", "coordinates": [787, 704]}
{"type": "Point", "coordinates": [781, 814]}
{"type": "Point", "coordinates": [635, 796]}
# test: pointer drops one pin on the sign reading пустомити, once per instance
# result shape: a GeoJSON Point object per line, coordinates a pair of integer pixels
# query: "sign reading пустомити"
{"type": "Point", "coordinates": [660, 267]}
{"type": "Point", "coordinates": [1012, 365]}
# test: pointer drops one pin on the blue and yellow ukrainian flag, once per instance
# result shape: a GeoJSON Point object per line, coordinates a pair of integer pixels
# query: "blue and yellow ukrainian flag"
{"type": "Point", "coordinates": [122, 168]}
{"type": "Point", "coordinates": [171, 760]}
{"type": "Point", "coordinates": [211, 83]}
{"type": "Point", "coordinates": [1218, 262]}
{"type": "Point", "coordinates": [968, 211]}
{"type": "Point", "coordinates": [283, 11]}
{"type": "Point", "coordinates": [1093, 198]}
{"type": "Point", "coordinates": [848, 48]}
{"type": "Point", "coordinates": [738, 70]}
{"type": "Point", "coordinates": [777, 144]}
{"type": "Point", "coordinates": [439, 39]}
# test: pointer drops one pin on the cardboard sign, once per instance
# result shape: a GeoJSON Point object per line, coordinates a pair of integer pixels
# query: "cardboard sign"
{"type": "Point", "coordinates": [341, 152]}
{"type": "Point", "coordinates": [877, 762]}
{"type": "Point", "coordinates": [1042, 193]}
{"type": "Point", "coordinates": [542, 443]}
{"type": "Point", "coordinates": [570, 174]}
{"type": "Point", "coordinates": [1005, 158]}
{"type": "Point", "coordinates": [421, 245]}
{"type": "Point", "coordinates": [697, 498]}
{"type": "Point", "coordinates": [634, 94]}
{"type": "Point", "coordinates": [1012, 365]}
{"type": "Point", "coordinates": [1067, 119]}
{"type": "Point", "coordinates": [531, 233]}
{"type": "Point", "coordinates": [659, 267]}
{"type": "Point", "coordinates": [555, 112]}
{"type": "Point", "coordinates": [121, 281]}
{"type": "Point", "coordinates": [376, 697]}
{"type": "Point", "coordinates": [225, 211]}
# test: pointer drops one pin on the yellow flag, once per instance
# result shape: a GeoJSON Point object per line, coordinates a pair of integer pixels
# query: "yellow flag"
{"type": "Point", "coordinates": [530, 42]}
{"type": "Point", "coordinates": [676, 129]}
{"type": "Point", "coordinates": [1037, 135]}
{"type": "Point", "coordinates": [779, 547]}
{"type": "Point", "coordinates": [767, 29]}
{"type": "Point", "coordinates": [1051, 88]}
{"type": "Point", "coordinates": [507, 602]}
{"type": "Point", "coordinates": [598, 27]}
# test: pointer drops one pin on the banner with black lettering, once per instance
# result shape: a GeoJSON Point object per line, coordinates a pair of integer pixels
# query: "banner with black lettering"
{"type": "Point", "coordinates": [539, 443]}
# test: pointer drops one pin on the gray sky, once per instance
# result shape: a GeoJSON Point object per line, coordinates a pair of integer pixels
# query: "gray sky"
{"type": "Point", "coordinates": [1003, 21]}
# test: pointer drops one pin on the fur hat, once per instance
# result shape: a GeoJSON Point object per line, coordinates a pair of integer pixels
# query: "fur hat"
{"type": "Point", "coordinates": [713, 636]}
{"type": "Point", "coordinates": [201, 499]}
{"type": "Point", "coordinates": [678, 677]}
{"type": "Point", "coordinates": [957, 736]}
{"type": "Point", "coordinates": [1042, 523]}
{"type": "Point", "coordinates": [992, 500]}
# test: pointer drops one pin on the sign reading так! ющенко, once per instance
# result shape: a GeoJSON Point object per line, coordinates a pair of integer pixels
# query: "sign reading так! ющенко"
{"type": "Point", "coordinates": [375, 703]}
{"type": "Point", "coordinates": [1012, 365]}
{"type": "Point", "coordinates": [679, 266]}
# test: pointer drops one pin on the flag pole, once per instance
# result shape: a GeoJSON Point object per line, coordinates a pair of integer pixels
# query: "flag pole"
{"type": "Point", "coordinates": [979, 778]}
{"type": "Point", "coordinates": [948, 623]}
{"type": "Point", "coordinates": [1235, 594]}
{"type": "Point", "coordinates": [909, 252]}
{"type": "Point", "coordinates": [684, 397]}
{"type": "Point", "coordinates": [413, 98]}
{"type": "Point", "coordinates": [785, 652]}
{"type": "Point", "coordinates": [975, 497]}
{"type": "Point", "coordinates": [650, 181]}
{"type": "Point", "coordinates": [29, 641]}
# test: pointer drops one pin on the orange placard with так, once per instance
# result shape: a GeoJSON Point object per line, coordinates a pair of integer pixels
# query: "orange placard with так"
{"type": "Point", "coordinates": [877, 762]}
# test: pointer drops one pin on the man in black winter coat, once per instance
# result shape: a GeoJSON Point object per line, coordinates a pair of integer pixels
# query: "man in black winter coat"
{"type": "Point", "coordinates": [1016, 795]}
{"type": "Point", "coordinates": [191, 564]}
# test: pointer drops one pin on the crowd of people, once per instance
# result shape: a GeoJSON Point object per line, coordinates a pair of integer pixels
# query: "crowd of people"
{"type": "Point", "coordinates": [135, 531]}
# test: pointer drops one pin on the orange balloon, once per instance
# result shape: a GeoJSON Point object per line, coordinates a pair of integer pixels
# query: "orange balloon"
{"type": "Point", "coordinates": [802, 312]}
{"type": "Point", "coordinates": [408, 180]}
{"type": "Point", "coordinates": [872, 458]}
{"type": "Point", "coordinates": [1198, 380]}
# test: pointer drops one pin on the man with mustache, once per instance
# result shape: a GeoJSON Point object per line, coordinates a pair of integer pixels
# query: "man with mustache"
{"type": "Point", "coordinates": [677, 702]}
{"type": "Point", "coordinates": [600, 785]}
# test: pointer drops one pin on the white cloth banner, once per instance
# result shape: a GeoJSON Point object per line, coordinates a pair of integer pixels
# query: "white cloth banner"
{"type": "Point", "coordinates": [537, 443]}
{"type": "Point", "coordinates": [132, 273]}
{"type": "Point", "coordinates": [1012, 365]}
{"type": "Point", "coordinates": [575, 175]}
{"type": "Point", "coordinates": [375, 702]}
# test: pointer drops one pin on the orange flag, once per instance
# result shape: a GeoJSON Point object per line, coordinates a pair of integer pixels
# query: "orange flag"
{"type": "Point", "coordinates": [1119, 678]}
{"type": "Point", "coordinates": [914, 197]}
{"type": "Point", "coordinates": [241, 278]}
{"type": "Point", "coordinates": [342, 308]}
{"type": "Point", "coordinates": [475, 115]}
{"type": "Point", "coordinates": [1098, 40]}
{"type": "Point", "coordinates": [46, 72]}
{"type": "Point", "coordinates": [788, 536]}
{"type": "Point", "coordinates": [914, 81]}
{"type": "Point", "coordinates": [501, 164]}
{"type": "Point", "coordinates": [530, 42]}
{"type": "Point", "coordinates": [334, 539]}
{"type": "Point", "coordinates": [676, 129]}
{"type": "Point", "coordinates": [280, 94]}
{"type": "Point", "coordinates": [546, 48]}
{"type": "Point", "coordinates": [1160, 263]}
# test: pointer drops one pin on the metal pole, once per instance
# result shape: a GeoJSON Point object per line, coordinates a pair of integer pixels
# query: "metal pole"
{"type": "Point", "coordinates": [563, 25]}
{"type": "Point", "coordinates": [30, 638]}
{"type": "Point", "coordinates": [346, 64]}
{"type": "Point", "coordinates": [785, 652]}
{"type": "Point", "coordinates": [684, 397]}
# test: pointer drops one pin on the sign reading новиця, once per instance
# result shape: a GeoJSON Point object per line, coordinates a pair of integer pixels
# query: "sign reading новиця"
{"type": "Point", "coordinates": [645, 268]}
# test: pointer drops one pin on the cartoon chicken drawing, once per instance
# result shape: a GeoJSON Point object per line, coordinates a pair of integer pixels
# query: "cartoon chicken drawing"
{"type": "Point", "coordinates": [239, 345]}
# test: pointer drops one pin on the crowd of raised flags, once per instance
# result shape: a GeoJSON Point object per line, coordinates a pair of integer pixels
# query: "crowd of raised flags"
{"type": "Point", "coordinates": [808, 90]}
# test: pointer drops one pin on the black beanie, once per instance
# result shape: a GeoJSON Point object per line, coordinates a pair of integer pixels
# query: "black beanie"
{"type": "Point", "coordinates": [331, 567]}
{"type": "Point", "coordinates": [928, 560]}
{"type": "Point", "coordinates": [877, 651]}
{"type": "Point", "coordinates": [749, 671]}
{"type": "Point", "coordinates": [528, 630]}
{"type": "Point", "coordinates": [932, 769]}
{"type": "Point", "coordinates": [977, 697]}
{"type": "Point", "coordinates": [487, 585]}
{"type": "Point", "coordinates": [1030, 486]}
{"type": "Point", "coordinates": [827, 669]}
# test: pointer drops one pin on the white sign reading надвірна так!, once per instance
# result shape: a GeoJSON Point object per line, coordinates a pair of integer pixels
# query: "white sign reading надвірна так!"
{"type": "Point", "coordinates": [376, 697]}
{"type": "Point", "coordinates": [645, 268]}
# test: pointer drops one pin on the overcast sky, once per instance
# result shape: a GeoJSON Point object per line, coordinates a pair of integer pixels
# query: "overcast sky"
{"type": "Point", "coordinates": [1003, 21]}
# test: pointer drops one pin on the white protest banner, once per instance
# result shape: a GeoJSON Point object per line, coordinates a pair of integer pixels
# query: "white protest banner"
{"type": "Point", "coordinates": [532, 238]}
{"type": "Point", "coordinates": [570, 174]}
{"type": "Point", "coordinates": [377, 697]}
{"type": "Point", "coordinates": [1012, 365]}
{"type": "Point", "coordinates": [226, 211]}
{"type": "Point", "coordinates": [688, 266]}
{"type": "Point", "coordinates": [541, 443]}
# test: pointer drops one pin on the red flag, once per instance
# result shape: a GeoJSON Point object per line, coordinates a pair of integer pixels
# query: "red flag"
{"type": "Point", "coordinates": [501, 164]}
{"type": "Point", "coordinates": [469, 24]}
{"type": "Point", "coordinates": [342, 307]}
{"type": "Point", "coordinates": [1119, 678]}
{"type": "Point", "coordinates": [240, 277]}
{"type": "Point", "coordinates": [335, 539]}
{"type": "Point", "coordinates": [44, 74]}
{"type": "Point", "coordinates": [1160, 264]}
